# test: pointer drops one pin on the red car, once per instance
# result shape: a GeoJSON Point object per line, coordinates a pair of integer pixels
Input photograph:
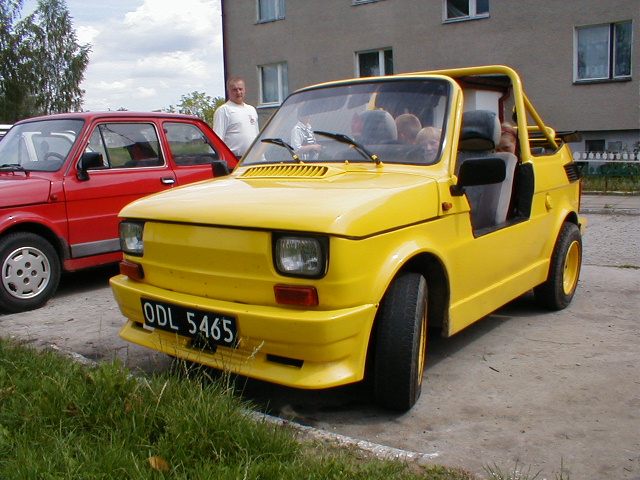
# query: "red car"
{"type": "Point", "coordinates": [64, 178]}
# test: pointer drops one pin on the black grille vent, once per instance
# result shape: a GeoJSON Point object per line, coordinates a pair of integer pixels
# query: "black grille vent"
{"type": "Point", "coordinates": [573, 174]}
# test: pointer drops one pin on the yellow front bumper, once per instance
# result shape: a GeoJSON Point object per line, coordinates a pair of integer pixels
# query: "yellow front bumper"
{"type": "Point", "coordinates": [293, 347]}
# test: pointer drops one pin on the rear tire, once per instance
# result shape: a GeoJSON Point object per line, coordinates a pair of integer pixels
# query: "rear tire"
{"type": "Point", "coordinates": [401, 342]}
{"type": "Point", "coordinates": [30, 272]}
{"type": "Point", "coordinates": [557, 292]}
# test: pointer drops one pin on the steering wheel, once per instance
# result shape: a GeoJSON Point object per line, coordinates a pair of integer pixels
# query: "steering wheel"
{"type": "Point", "coordinates": [48, 155]}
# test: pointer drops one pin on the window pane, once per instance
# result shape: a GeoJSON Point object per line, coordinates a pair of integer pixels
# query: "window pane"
{"type": "Point", "coordinates": [593, 52]}
{"type": "Point", "coordinates": [595, 145]}
{"type": "Point", "coordinates": [457, 8]}
{"type": "Point", "coordinates": [388, 62]}
{"type": "Point", "coordinates": [284, 86]}
{"type": "Point", "coordinates": [131, 144]}
{"type": "Point", "coordinates": [270, 84]}
{"type": "Point", "coordinates": [267, 9]}
{"type": "Point", "coordinates": [482, 7]}
{"type": "Point", "coordinates": [369, 64]}
{"type": "Point", "coordinates": [189, 145]}
{"type": "Point", "coordinates": [622, 54]}
{"type": "Point", "coordinates": [97, 145]}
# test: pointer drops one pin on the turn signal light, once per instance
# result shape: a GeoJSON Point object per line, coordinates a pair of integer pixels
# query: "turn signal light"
{"type": "Point", "coordinates": [296, 295]}
{"type": "Point", "coordinates": [131, 270]}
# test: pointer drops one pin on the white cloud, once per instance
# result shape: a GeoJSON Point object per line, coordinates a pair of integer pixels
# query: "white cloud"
{"type": "Point", "coordinates": [146, 55]}
{"type": "Point", "coordinates": [86, 34]}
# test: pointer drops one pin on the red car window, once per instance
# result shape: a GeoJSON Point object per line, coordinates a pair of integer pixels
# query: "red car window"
{"type": "Point", "coordinates": [128, 145]}
{"type": "Point", "coordinates": [189, 145]}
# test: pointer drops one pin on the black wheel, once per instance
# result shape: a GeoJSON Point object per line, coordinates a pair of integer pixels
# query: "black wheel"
{"type": "Point", "coordinates": [557, 291]}
{"type": "Point", "coordinates": [30, 272]}
{"type": "Point", "coordinates": [401, 342]}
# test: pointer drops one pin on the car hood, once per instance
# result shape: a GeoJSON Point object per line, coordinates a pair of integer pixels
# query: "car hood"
{"type": "Point", "coordinates": [17, 190]}
{"type": "Point", "coordinates": [341, 202]}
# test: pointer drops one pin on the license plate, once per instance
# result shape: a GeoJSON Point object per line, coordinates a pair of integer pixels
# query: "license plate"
{"type": "Point", "coordinates": [211, 327]}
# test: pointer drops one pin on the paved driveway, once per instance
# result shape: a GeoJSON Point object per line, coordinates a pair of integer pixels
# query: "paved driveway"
{"type": "Point", "coordinates": [522, 385]}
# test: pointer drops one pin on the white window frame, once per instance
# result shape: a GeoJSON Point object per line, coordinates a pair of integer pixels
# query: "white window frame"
{"type": "Point", "coordinates": [473, 12]}
{"type": "Point", "coordinates": [278, 7]}
{"type": "Point", "coordinates": [282, 84]}
{"type": "Point", "coordinates": [610, 74]}
{"type": "Point", "coordinates": [381, 60]}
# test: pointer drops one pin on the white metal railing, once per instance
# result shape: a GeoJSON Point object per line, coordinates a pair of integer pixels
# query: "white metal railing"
{"type": "Point", "coordinates": [607, 156]}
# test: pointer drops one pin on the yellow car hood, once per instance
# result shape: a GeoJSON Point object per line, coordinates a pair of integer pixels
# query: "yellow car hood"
{"type": "Point", "coordinates": [336, 201]}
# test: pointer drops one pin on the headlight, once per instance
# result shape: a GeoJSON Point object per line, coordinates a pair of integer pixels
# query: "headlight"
{"type": "Point", "coordinates": [300, 256]}
{"type": "Point", "coordinates": [131, 238]}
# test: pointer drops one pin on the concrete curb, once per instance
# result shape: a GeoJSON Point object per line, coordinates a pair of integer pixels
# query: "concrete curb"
{"type": "Point", "coordinates": [381, 452]}
{"type": "Point", "coordinates": [610, 211]}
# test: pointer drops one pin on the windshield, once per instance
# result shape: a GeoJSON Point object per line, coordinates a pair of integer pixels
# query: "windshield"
{"type": "Point", "coordinates": [389, 121]}
{"type": "Point", "coordinates": [39, 146]}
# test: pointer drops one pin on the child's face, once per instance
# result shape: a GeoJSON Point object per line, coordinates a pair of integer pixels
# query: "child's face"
{"type": "Point", "coordinates": [507, 144]}
{"type": "Point", "coordinates": [431, 146]}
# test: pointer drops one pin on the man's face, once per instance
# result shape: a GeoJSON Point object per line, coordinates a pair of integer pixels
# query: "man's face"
{"type": "Point", "coordinates": [236, 92]}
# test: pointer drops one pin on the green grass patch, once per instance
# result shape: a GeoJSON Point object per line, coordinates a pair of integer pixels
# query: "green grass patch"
{"type": "Point", "coordinates": [63, 420]}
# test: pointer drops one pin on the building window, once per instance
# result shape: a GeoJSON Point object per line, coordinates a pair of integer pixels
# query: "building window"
{"type": "Point", "coordinates": [274, 84]}
{"type": "Point", "coordinates": [603, 52]}
{"type": "Point", "coordinates": [270, 10]}
{"type": "Point", "coordinates": [465, 9]}
{"type": "Point", "coordinates": [594, 145]}
{"type": "Point", "coordinates": [374, 63]}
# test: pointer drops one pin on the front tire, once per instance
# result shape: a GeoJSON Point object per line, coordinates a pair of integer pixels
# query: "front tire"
{"type": "Point", "coordinates": [30, 272]}
{"type": "Point", "coordinates": [557, 292]}
{"type": "Point", "coordinates": [401, 342]}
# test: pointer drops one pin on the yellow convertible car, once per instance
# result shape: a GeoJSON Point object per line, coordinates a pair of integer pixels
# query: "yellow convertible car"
{"type": "Point", "coordinates": [365, 211]}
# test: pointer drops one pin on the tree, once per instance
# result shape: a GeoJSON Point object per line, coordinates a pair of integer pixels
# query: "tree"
{"type": "Point", "coordinates": [43, 63]}
{"type": "Point", "coordinates": [12, 88]}
{"type": "Point", "coordinates": [198, 104]}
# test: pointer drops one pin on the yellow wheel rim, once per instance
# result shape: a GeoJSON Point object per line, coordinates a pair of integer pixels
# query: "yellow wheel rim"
{"type": "Point", "coordinates": [422, 352]}
{"type": "Point", "coordinates": [571, 268]}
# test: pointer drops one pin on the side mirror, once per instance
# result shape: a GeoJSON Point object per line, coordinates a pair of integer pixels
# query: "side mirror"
{"type": "Point", "coordinates": [220, 168]}
{"type": "Point", "coordinates": [479, 171]}
{"type": "Point", "coordinates": [88, 161]}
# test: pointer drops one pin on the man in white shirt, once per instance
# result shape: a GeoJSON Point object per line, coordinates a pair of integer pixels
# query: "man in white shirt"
{"type": "Point", "coordinates": [236, 122]}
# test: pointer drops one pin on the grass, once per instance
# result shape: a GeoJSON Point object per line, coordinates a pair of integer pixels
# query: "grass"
{"type": "Point", "coordinates": [519, 473]}
{"type": "Point", "coordinates": [62, 420]}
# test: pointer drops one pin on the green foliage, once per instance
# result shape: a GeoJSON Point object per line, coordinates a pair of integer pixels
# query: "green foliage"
{"type": "Point", "coordinates": [198, 104]}
{"type": "Point", "coordinates": [41, 65]}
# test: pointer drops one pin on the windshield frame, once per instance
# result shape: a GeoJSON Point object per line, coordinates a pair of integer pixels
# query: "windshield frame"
{"type": "Point", "coordinates": [336, 107]}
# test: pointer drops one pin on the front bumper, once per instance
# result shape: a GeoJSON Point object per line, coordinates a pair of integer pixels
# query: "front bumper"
{"type": "Point", "coordinates": [293, 347]}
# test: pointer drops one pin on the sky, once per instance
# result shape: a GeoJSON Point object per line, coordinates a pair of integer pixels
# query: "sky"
{"type": "Point", "coordinates": [146, 54]}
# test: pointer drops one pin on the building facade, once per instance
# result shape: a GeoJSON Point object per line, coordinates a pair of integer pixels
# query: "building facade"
{"type": "Point", "coordinates": [578, 58]}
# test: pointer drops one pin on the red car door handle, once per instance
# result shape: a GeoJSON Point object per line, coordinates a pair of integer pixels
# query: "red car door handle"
{"type": "Point", "coordinates": [168, 180]}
